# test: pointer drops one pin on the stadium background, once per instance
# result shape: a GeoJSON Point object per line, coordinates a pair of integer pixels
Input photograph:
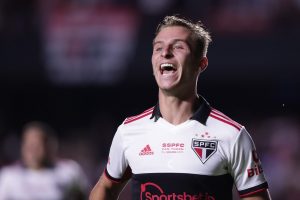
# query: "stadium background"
{"type": "Point", "coordinates": [84, 65]}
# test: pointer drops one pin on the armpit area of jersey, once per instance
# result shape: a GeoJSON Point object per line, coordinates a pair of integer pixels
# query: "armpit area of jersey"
{"type": "Point", "coordinates": [180, 186]}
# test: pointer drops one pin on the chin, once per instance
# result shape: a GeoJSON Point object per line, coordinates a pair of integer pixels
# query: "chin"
{"type": "Point", "coordinates": [170, 83]}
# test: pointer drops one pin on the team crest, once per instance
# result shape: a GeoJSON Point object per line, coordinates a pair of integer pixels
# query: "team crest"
{"type": "Point", "coordinates": [204, 148]}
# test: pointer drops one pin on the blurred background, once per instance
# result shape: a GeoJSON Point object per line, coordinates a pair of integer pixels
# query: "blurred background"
{"type": "Point", "coordinates": [83, 66]}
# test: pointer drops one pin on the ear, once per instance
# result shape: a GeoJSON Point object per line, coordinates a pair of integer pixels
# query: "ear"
{"type": "Point", "coordinates": [203, 63]}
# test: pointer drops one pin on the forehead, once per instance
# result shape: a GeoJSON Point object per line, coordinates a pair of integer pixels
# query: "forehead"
{"type": "Point", "coordinates": [170, 33]}
{"type": "Point", "coordinates": [33, 134]}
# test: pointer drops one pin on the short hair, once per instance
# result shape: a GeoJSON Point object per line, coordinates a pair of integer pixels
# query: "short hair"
{"type": "Point", "coordinates": [44, 127]}
{"type": "Point", "coordinates": [199, 33]}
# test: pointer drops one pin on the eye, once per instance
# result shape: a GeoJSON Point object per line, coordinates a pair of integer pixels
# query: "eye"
{"type": "Point", "coordinates": [178, 46]}
{"type": "Point", "coordinates": [157, 48]}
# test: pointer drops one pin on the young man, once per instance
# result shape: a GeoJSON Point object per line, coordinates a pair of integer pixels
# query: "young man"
{"type": "Point", "coordinates": [40, 175]}
{"type": "Point", "coordinates": [181, 149]}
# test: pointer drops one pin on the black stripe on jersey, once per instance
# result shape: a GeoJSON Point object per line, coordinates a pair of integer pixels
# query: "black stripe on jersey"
{"type": "Point", "coordinates": [253, 190]}
{"type": "Point", "coordinates": [181, 186]}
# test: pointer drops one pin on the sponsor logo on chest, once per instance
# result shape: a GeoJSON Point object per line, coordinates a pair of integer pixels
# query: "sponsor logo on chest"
{"type": "Point", "coordinates": [172, 147]}
{"type": "Point", "coordinates": [153, 191]}
{"type": "Point", "coordinates": [146, 151]}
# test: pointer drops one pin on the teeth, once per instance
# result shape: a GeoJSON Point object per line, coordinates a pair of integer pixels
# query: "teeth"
{"type": "Point", "coordinates": [166, 66]}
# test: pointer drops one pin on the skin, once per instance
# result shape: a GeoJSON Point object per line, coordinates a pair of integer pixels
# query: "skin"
{"type": "Point", "coordinates": [105, 189]}
{"type": "Point", "coordinates": [33, 148]}
{"type": "Point", "coordinates": [177, 89]}
{"type": "Point", "coordinates": [177, 92]}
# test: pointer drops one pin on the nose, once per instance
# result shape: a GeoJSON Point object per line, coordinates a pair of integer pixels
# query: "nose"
{"type": "Point", "coordinates": [167, 52]}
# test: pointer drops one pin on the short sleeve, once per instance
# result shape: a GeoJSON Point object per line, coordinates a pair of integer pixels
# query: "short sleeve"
{"type": "Point", "coordinates": [246, 168]}
{"type": "Point", "coordinates": [117, 168]}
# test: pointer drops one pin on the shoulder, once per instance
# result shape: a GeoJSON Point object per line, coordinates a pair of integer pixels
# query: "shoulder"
{"type": "Point", "coordinates": [69, 169]}
{"type": "Point", "coordinates": [134, 124]}
{"type": "Point", "coordinates": [222, 122]}
{"type": "Point", "coordinates": [145, 115]}
{"type": "Point", "coordinates": [15, 167]}
{"type": "Point", "coordinates": [11, 171]}
{"type": "Point", "coordinates": [67, 164]}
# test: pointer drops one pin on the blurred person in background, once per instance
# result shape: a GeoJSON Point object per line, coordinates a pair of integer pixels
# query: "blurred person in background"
{"type": "Point", "coordinates": [182, 148]}
{"type": "Point", "coordinates": [40, 175]}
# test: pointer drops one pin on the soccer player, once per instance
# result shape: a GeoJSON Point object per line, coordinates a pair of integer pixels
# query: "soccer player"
{"type": "Point", "coordinates": [182, 148]}
{"type": "Point", "coordinates": [40, 175]}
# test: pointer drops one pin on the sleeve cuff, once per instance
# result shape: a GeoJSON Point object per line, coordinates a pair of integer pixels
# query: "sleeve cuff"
{"type": "Point", "coordinates": [253, 190]}
{"type": "Point", "coordinates": [126, 176]}
{"type": "Point", "coordinates": [115, 180]}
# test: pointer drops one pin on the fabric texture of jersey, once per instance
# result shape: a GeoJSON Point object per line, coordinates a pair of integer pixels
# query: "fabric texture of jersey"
{"type": "Point", "coordinates": [54, 183]}
{"type": "Point", "coordinates": [199, 159]}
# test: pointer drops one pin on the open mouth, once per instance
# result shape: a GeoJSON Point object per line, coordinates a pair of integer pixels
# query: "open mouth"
{"type": "Point", "coordinates": [167, 68]}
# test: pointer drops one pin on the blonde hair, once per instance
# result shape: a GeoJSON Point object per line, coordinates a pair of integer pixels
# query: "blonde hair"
{"type": "Point", "coordinates": [199, 33]}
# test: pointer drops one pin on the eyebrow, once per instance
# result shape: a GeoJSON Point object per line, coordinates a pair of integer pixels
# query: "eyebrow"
{"type": "Point", "coordinates": [174, 41]}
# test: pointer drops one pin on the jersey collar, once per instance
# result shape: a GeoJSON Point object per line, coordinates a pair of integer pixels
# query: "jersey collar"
{"type": "Point", "coordinates": [200, 115]}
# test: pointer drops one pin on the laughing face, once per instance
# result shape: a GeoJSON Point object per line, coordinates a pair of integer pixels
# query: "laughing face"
{"type": "Point", "coordinates": [175, 66]}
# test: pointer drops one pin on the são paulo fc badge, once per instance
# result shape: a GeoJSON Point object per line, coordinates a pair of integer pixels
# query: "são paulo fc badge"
{"type": "Point", "coordinates": [204, 148]}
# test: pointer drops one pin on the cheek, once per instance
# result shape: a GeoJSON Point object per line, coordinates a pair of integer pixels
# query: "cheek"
{"type": "Point", "coordinates": [153, 62]}
{"type": "Point", "coordinates": [153, 58]}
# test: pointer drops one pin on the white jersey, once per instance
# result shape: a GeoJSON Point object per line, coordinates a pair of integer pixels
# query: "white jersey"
{"type": "Point", "coordinates": [199, 159]}
{"type": "Point", "coordinates": [20, 183]}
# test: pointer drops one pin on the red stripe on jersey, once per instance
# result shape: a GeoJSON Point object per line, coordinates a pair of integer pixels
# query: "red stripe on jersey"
{"type": "Point", "coordinates": [137, 116]}
{"type": "Point", "coordinates": [251, 193]}
{"type": "Point", "coordinates": [146, 111]}
{"type": "Point", "coordinates": [219, 114]}
{"type": "Point", "coordinates": [235, 125]}
{"type": "Point", "coordinates": [142, 115]}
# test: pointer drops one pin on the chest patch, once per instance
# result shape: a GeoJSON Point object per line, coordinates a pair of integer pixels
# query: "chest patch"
{"type": "Point", "coordinates": [204, 149]}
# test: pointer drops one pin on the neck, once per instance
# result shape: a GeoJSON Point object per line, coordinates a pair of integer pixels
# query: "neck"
{"type": "Point", "coordinates": [176, 110]}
